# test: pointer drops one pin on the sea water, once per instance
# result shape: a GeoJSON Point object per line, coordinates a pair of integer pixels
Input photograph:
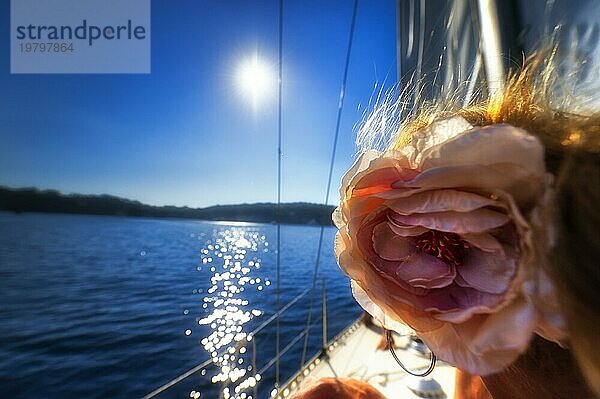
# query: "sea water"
{"type": "Point", "coordinates": [113, 307]}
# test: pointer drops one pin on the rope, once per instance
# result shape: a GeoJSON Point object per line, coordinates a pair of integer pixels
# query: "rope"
{"type": "Point", "coordinates": [432, 358]}
{"type": "Point", "coordinates": [329, 177]}
{"type": "Point", "coordinates": [278, 257]}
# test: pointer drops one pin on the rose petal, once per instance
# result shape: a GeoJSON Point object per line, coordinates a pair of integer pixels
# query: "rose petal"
{"type": "Point", "coordinates": [437, 133]}
{"type": "Point", "coordinates": [488, 145]}
{"type": "Point", "coordinates": [338, 218]}
{"type": "Point", "coordinates": [484, 241]}
{"type": "Point", "coordinates": [454, 298]}
{"type": "Point", "coordinates": [477, 221]}
{"type": "Point", "coordinates": [369, 264]}
{"type": "Point", "coordinates": [393, 315]}
{"type": "Point", "coordinates": [426, 271]}
{"type": "Point", "coordinates": [393, 279]}
{"type": "Point", "coordinates": [360, 206]}
{"type": "Point", "coordinates": [370, 307]}
{"type": "Point", "coordinates": [499, 330]}
{"type": "Point", "coordinates": [461, 282]}
{"type": "Point", "coordinates": [487, 271]}
{"type": "Point", "coordinates": [339, 244]}
{"type": "Point", "coordinates": [360, 165]}
{"type": "Point", "coordinates": [439, 201]}
{"type": "Point", "coordinates": [370, 166]}
{"type": "Point", "coordinates": [523, 185]}
{"type": "Point", "coordinates": [382, 179]}
{"type": "Point", "coordinates": [376, 182]}
{"type": "Point", "coordinates": [388, 245]}
{"type": "Point", "coordinates": [485, 344]}
{"type": "Point", "coordinates": [407, 231]}
{"type": "Point", "coordinates": [411, 281]}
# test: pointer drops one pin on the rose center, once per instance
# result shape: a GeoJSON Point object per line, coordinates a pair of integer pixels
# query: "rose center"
{"type": "Point", "coordinates": [448, 247]}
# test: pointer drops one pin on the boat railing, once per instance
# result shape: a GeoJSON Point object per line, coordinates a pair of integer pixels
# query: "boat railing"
{"type": "Point", "coordinates": [250, 339]}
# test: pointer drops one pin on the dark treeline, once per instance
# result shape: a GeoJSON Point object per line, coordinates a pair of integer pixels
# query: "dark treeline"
{"type": "Point", "coordinates": [34, 200]}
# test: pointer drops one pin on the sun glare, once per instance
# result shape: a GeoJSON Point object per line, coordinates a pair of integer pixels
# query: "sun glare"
{"type": "Point", "coordinates": [256, 80]}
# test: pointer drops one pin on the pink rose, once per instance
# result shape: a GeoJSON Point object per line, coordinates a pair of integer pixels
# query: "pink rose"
{"type": "Point", "coordinates": [437, 236]}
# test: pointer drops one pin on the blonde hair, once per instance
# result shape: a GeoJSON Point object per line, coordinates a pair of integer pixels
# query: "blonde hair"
{"type": "Point", "coordinates": [572, 141]}
{"type": "Point", "coordinates": [527, 101]}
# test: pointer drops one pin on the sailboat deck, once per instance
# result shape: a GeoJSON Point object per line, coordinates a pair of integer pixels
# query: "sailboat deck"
{"type": "Point", "coordinates": [354, 354]}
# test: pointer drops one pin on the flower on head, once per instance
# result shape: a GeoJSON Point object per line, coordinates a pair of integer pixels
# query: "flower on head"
{"type": "Point", "coordinates": [436, 235]}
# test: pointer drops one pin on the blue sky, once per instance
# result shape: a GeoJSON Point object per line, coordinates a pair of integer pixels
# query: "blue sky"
{"type": "Point", "coordinates": [183, 135]}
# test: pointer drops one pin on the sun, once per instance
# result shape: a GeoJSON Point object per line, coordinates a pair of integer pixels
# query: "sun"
{"type": "Point", "coordinates": [256, 80]}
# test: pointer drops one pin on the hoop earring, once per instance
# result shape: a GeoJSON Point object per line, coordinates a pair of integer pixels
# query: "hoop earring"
{"type": "Point", "coordinates": [432, 358]}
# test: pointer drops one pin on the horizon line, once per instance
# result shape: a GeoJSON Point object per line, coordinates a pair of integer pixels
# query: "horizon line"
{"type": "Point", "coordinates": [67, 194]}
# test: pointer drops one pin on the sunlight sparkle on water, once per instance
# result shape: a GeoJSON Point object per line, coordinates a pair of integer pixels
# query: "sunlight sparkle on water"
{"type": "Point", "coordinates": [227, 310]}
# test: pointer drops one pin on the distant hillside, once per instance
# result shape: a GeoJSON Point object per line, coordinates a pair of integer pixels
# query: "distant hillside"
{"type": "Point", "coordinates": [34, 200]}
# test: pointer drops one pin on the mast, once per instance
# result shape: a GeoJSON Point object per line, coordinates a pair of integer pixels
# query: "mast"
{"type": "Point", "coordinates": [443, 44]}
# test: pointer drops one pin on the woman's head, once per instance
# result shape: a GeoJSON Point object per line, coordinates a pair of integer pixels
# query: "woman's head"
{"type": "Point", "coordinates": [576, 266]}
{"type": "Point", "coordinates": [570, 145]}
{"type": "Point", "coordinates": [572, 152]}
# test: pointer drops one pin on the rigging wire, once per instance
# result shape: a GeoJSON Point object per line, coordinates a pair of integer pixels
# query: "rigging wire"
{"type": "Point", "coordinates": [278, 216]}
{"type": "Point", "coordinates": [279, 310]}
{"type": "Point", "coordinates": [329, 177]}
